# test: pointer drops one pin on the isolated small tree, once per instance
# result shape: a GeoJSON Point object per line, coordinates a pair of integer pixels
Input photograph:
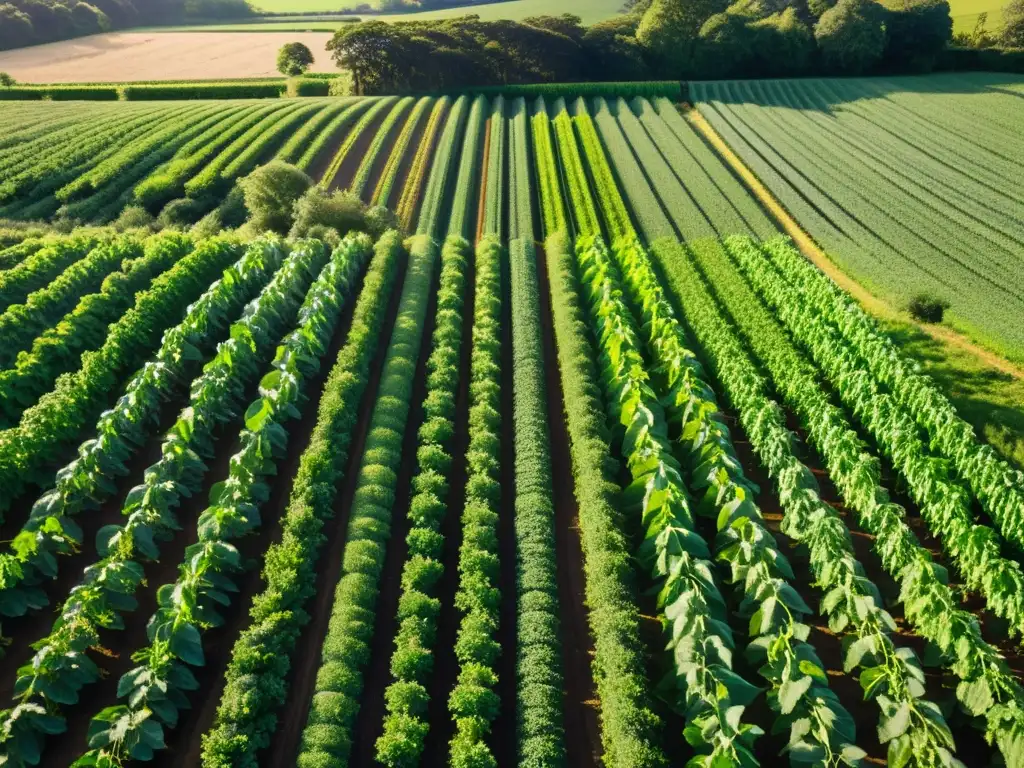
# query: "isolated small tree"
{"type": "Point", "coordinates": [270, 194]}
{"type": "Point", "coordinates": [851, 36]}
{"type": "Point", "coordinates": [6, 81]}
{"type": "Point", "coordinates": [294, 59]}
{"type": "Point", "coordinates": [1012, 35]}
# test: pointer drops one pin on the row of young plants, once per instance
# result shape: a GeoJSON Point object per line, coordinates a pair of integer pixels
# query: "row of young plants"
{"type": "Point", "coordinates": [39, 268]}
{"type": "Point", "coordinates": [645, 161]}
{"type": "Point", "coordinates": [580, 205]}
{"type": "Point", "coordinates": [168, 180]}
{"type": "Point", "coordinates": [109, 585]}
{"type": "Point", "coordinates": [153, 693]}
{"type": "Point", "coordinates": [520, 170]}
{"type": "Point", "coordinates": [398, 151]}
{"type": "Point", "coordinates": [328, 733]}
{"type": "Point", "coordinates": [59, 348]}
{"type": "Point", "coordinates": [890, 675]}
{"type": "Point", "coordinates": [89, 480]}
{"type": "Point", "coordinates": [473, 702]}
{"type": "Point", "coordinates": [630, 727]}
{"type": "Point", "coordinates": [986, 687]}
{"type": "Point", "coordinates": [165, 141]}
{"type": "Point", "coordinates": [14, 254]}
{"type": "Point", "coordinates": [20, 324]}
{"type": "Point", "coordinates": [545, 159]}
{"type": "Point", "coordinates": [492, 212]}
{"type": "Point", "coordinates": [332, 132]}
{"type": "Point", "coordinates": [412, 192]}
{"type": "Point", "coordinates": [616, 217]}
{"type": "Point", "coordinates": [56, 422]}
{"type": "Point", "coordinates": [943, 503]}
{"type": "Point", "coordinates": [412, 661]}
{"type": "Point", "coordinates": [995, 484]}
{"type": "Point", "coordinates": [256, 679]}
{"type": "Point", "coordinates": [352, 138]}
{"type": "Point", "coordinates": [820, 728]}
{"type": "Point", "coordinates": [268, 144]}
{"type": "Point", "coordinates": [443, 171]}
{"type": "Point", "coordinates": [466, 195]}
{"type": "Point", "coordinates": [243, 153]}
{"type": "Point", "coordinates": [302, 140]}
{"type": "Point", "coordinates": [540, 733]}
{"type": "Point", "coordinates": [380, 141]}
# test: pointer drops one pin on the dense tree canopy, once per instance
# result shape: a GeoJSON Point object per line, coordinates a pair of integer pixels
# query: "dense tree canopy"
{"type": "Point", "coordinates": [1012, 34]}
{"type": "Point", "coordinates": [851, 36]}
{"type": "Point", "coordinates": [294, 59]}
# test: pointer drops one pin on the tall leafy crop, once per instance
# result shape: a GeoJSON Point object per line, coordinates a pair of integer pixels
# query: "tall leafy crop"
{"type": "Point", "coordinates": [405, 727]}
{"type": "Point", "coordinates": [986, 687]}
{"type": "Point", "coordinates": [13, 255]}
{"type": "Point", "coordinates": [629, 727]}
{"type": "Point", "coordinates": [39, 268]}
{"type": "Point", "coordinates": [540, 730]}
{"type": "Point", "coordinates": [761, 575]}
{"type": "Point", "coordinates": [87, 481]}
{"type": "Point", "coordinates": [891, 675]}
{"type": "Point", "coordinates": [327, 737]}
{"type": "Point", "coordinates": [380, 140]}
{"type": "Point", "coordinates": [155, 691]}
{"type": "Point", "coordinates": [21, 323]}
{"type": "Point", "coordinates": [396, 157]}
{"type": "Point", "coordinates": [944, 504]}
{"type": "Point", "coordinates": [56, 422]}
{"type": "Point", "coordinates": [466, 196]}
{"type": "Point", "coordinates": [255, 680]}
{"type": "Point", "coordinates": [998, 487]}
{"type": "Point", "coordinates": [442, 171]}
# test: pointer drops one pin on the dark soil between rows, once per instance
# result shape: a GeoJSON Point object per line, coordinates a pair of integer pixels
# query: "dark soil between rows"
{"type": "Point", "coordinates": [307, 655]}
{"type": "Point", "coordinates": [347, 171]}
{"type": "Point", "coordinates": [377, 675]}
{"type": "Point", "coordinates": [406, 161]}
{"type": "Point", "coordinates": [582, 708]}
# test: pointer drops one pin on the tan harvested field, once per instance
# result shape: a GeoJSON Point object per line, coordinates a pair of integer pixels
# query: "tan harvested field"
{"type": "Point", "coordinates": [137, 56]}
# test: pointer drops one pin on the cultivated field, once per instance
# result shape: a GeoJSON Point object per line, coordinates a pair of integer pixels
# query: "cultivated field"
{"type": "Point", "coordinates": [142, 56]}
{"type": "Point", "coordinates": [911, 184]}
{"type": "Point", "coordinates": [586, 463]}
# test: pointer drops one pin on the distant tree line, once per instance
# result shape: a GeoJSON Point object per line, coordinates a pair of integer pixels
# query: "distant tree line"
{"type": "Point", "coordinates": [654, 39]}
{"type": "Point", "coordinates": [25, 22]}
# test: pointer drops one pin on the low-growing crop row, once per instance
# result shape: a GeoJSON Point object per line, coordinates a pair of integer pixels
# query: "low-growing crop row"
{"type": "Point", "coordinates": [398, 152]}
{"type": "Point", "coordinates": [379, 144]}
{"type": "Point", "coordinates": [412, 192]}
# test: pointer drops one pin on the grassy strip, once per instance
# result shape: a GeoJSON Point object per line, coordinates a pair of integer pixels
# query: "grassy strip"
{"type": "Point", "coordinates": [327, 738]}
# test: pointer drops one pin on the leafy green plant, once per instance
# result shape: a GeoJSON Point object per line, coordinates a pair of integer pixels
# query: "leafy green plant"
{"type": "Point", "coordinates": [255, 688]}
{"type": "Point", "coordinates": [39, 268]}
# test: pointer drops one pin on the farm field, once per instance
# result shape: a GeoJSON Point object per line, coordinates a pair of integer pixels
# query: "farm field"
{"type": "Point", "coordinates": [142, 56]}
{"type": "Point", "coordinates": [908, 183]}
{"type": "Point", "coordinates": [585, 463]}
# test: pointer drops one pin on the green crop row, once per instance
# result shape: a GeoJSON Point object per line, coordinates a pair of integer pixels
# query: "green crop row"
{"type": "Point", "coordinates": [153, 693]}
{"type": "Point", "coordinates": [256, 687]}
{"type": "Point", "coordinates": [986, 686]}
{"type": "Point", "coordinates": [548, 172]}
{"type": "Point", "coordinates": [301, 140]}
{"type": "Point", "coordinates": [581, 201]}
{"type": "Point", "coordinates": [398, 151]}
{"type": "Point", "coordinates": [327, 737]}
{"type": "Point", "coordinates": [671, 89]}
{"type": "Point", "coordinates": [380, 141]}
{"type": "Point", "coordinates": [12, 255]}
{"type": "Point", "coordinates": [409, 201]}
{"type": "Point", "coordinates": [20, 324]}
{"type": "Point", "coordinates": [167, 91]}
{"type": "Point", "coordinates": [40, 267]}
{"type": "Point", "coordinates": [467, 195]}
{"type": "Point", "coordinates": [629, 725]}
{"type": "Point", "coordinates": [88, 480]}
{"type": "Point", "coordinates": [520, 199]}
{"type": "Point", "coordinates": [412, 661]}
{"type": "Point", "coordinates": [442, 171]}
{"type": "Point", "coordinates": [492, 214]}
{"type": "Point", "coordinates": [353, 137]}
{"type": "Point", "coordinates": [56, 422]}
{"type": "Point", "coordinates": [473, 702]}
{"type": "Point", "coordinates": [539, 727]}
{"type": "Point", "coordinates": [892, 676]}
{"type": "Point", "coordinates": [326, 136]}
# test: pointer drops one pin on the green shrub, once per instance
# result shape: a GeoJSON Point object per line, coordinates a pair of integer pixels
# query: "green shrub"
{"type": "Point", "coordinates": [294, 59]}
{"type": "Point", "coordinates": [339, 210]}
{"type": "Point", "coordinates": [270, 194]}
{"type": "Point", "coordinates": [927, 308]}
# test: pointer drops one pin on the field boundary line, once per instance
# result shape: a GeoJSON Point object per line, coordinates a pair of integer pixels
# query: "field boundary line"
{"type": "Point", "coordinates": [802, 239]}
